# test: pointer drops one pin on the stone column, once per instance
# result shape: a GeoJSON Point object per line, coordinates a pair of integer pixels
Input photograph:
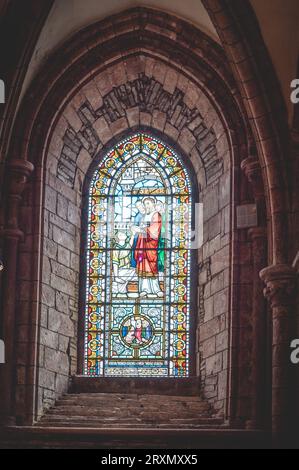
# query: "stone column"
{"type": "Point", "coordinates": [258, 236]}
{"type": "Point", "coordinates": [252, 169]}
{"type": "Point", "coordinates": [280, 283]}
{"type": "Point", "coordinates": [18, 172]}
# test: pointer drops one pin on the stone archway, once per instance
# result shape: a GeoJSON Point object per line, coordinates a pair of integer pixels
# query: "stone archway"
{"type": "Point", "coordinates": [222, 129]}
{"type": "Point", "coordinates": [146, 92]}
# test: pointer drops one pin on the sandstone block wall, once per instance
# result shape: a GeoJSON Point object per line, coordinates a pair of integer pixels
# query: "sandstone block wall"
{"type": "Point", "coordinates": [141, 91]}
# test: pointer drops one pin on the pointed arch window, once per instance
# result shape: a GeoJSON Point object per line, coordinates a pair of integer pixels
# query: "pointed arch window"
{"type": "Point", "coordinates": [137, 309]}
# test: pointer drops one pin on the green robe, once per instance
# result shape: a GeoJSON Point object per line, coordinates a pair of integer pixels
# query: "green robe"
{"type": "Point", "coordinates": [161, 247]}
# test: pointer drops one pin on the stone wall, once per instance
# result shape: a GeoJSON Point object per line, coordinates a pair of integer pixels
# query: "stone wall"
{"type": "Point", "coordinates": [214, 291]}
{"type": "Point", "coordinates": [140, 91]}
{"type": "Point", "coordinates": [60, 289]}
{"type": "Point", "coordinates": [190, 52]}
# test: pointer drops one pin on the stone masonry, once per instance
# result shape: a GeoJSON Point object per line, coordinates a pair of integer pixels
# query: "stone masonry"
{"type": "Point", "coordinates": [140, 91]}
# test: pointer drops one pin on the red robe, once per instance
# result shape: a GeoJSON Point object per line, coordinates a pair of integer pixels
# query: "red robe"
{"type": "Point", "coordinates": [146, 252]}
{"type": "Point", "coordinates": [138, 334]}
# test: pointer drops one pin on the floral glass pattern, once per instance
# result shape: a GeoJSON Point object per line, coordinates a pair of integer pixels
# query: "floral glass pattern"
{"type": "Point", "coordinates": [138, 263]}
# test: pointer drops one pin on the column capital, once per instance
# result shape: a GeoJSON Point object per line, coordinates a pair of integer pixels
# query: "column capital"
{"type": "Point", "coordinates": [19, 171]}
{"type": "Point", "coordinates": [280, 283]}
{"type": "Point", "coordinates": [253, 171]}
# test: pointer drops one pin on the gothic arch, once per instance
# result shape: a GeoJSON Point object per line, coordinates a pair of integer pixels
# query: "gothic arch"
{"type": "Point", "coordinates": [141, 96]}
{"type": "Point", "coordinates": [251, 64]}
{"type": "Point", "coordinates": [125, 54]}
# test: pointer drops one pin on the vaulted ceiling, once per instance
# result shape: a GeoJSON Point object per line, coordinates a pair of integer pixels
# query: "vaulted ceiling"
{"type": "Point", "coordinates": [278, 21]}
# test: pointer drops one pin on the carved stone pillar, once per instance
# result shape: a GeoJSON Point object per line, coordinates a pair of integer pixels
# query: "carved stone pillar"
{"type": "Point", "coordinates": [258, 236]}
{"type": "Point", "coordinates": [280, 283]}
{"type": "Point", "coordinates": [18, 172]}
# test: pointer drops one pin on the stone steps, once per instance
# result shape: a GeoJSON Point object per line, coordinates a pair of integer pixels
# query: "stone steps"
{"type": "Point", "coordinates": [117, 424]}
{"type": "Point", "coordinates": [130, 396]}
{"type": "Point", "coordinates": [100, 410]}
{"type": "Point", "coordinates": [94, 421]}
{"type": "Point", "coordinates": [117, 414]}
{"type": "Point", "coordinates": [130, 405]}
{"type": "Point", "coordinates": [105, 409]}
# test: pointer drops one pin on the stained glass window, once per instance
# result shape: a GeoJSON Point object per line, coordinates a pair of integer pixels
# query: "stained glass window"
{"type": "Point", "coordinates": [138, 263]}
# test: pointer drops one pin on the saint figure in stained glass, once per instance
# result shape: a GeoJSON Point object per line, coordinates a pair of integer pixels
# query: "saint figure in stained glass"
{"type": "Point", "coordinates": [138, 261]}
{"type": "Point", "coordinates": [146, 251]}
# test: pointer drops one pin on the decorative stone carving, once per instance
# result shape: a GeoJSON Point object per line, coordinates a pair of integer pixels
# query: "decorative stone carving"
{"type": "Point", "coordinates": [252, 169]}
{"type": "Point", "coordinates": [18, 174]}
{"type": "Point", "coordinates": [19, 170]}
{"type": "Point", "coordinates": [150, 97]}
{"type": "Point", "coordinates": [280, 283]}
